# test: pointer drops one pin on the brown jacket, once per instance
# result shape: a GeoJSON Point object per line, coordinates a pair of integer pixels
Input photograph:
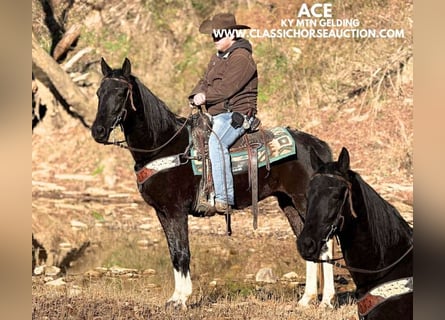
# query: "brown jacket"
{"type": "Point", "coordinates": [231, 81]}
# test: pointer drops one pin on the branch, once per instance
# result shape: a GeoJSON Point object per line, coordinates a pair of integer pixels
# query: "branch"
{"type": "Point", "coordinates": [49, 72]}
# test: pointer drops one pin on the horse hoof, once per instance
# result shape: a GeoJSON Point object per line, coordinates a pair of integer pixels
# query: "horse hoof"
{"type": "Point", "coordinates": [326, 304]}
{"type": "Point", "coordinates": [307, 300]}
{"type": "Point", "coordinates": [175, 306]}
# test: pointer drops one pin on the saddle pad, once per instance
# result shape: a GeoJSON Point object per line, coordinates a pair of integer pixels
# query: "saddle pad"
{"type": "Point", "coordinates": [281, 146]}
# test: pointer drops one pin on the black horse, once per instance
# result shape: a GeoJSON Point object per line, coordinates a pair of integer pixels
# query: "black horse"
{"type": "Point", "coordinates": [376, 241]}
{"type": "Point", "coordinates": [155, 136]}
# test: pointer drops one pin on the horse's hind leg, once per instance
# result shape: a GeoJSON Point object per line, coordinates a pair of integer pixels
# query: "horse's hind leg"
{"type": "Point", "coordinates": [176, 232]}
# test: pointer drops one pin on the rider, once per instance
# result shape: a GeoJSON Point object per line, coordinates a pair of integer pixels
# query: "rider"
{"type": "Point", "coordinates": [229, 92]}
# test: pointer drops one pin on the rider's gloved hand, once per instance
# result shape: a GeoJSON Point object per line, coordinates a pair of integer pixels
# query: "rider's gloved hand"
{"type": "Point", "coordinates": [199, 98]}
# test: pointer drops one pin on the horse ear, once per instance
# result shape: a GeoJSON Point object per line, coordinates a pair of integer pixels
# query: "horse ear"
{"type": "Point", "coordinates": [316, 162]}
{"type": "Point", "coordinates": [106, 69]}
{"type": "Point", "coordinates": [126, 67]}
{"type": "Point", "coordinates": [343, 160]}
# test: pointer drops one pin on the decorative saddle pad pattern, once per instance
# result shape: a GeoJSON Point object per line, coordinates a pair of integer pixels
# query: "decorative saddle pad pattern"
{"type": "Point", "coordinates": [281, 146]}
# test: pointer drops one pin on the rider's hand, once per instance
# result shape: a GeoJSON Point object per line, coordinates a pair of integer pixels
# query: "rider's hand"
{"type": "Point", "coordinates": [199, 98]}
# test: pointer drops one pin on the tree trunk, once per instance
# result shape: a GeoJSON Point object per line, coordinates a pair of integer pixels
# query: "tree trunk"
{"type": "Point", "coordinates": [50, 73]}
{"type": "Point", "coordinates": [70, 36]}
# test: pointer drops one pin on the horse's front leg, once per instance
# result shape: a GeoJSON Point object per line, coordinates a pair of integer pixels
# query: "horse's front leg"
{"type": "Point", "coordinates": [326, 277]}
{"type": "Point", "coordinates": [176, 231]}
{"type": "Point", "coordinates": [311, 289]}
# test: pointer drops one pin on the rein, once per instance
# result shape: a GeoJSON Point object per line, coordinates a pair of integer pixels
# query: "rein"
{"type": "Point", "coordinates": [360, 270]}
{"type": "Point", "coordinates": [122, 145]}
{"type": "Point", "coordinates": [338, 226]}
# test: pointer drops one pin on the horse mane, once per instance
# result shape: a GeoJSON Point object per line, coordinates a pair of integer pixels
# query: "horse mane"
{"type": "Point", "coordinates": [386, 226]}
{"type": "Point", "coordinates": [158, 116]}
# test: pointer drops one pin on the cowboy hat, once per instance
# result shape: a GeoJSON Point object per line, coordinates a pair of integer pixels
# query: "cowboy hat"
{"type": "Point", "coordinates": [220, 21]}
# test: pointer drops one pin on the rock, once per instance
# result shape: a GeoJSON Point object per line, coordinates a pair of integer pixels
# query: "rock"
{"type": "Point", "coordinates": [52, 271]}
{"type": "Point", "coordinates": [116, 270]}
{"type": "Point", "coordinates": [216, 282]}
{"type": "Point", "coordinates": [266, 275]}
{"type": "Point", "coordinates": [93, 273]}
{"type": "Point", "coordinates": [101, 270]}
{"type": "Point", "coordinates": [143, 243]}
{"type": "Point", "coordinates": [57, 283]}
{"type": "Point", "coordinates": [148, 272]}
{"type": "Point", "coordinates": [290, 276]}
{"type": "Point", "coordinates": [75, 224]}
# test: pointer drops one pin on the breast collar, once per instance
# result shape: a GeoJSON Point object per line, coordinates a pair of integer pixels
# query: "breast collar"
{"type": "Point", "coordinates": [381, 293]}
{"type": "Point", "coordinates": [157, 165]}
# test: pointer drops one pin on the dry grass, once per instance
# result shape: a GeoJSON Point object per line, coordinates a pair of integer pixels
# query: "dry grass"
{"type": "Point", "coordinates": [109, 301]}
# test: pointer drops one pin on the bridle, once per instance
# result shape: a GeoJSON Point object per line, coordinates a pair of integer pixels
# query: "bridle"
{"type": "Point", "coordinates": [123, 114]}
{"type": "Point", "coordinates": [337, 226]}
{"type": "Point", "coordinates": [129, 91]}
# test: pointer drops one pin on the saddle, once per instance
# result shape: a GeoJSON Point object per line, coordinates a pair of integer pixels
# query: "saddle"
{"type": "Point", "coordinates": [250, 142]}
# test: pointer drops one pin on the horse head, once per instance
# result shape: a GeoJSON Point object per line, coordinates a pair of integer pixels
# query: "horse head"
{"type": "Point", "coordinates": [115, 98]}
{"type": "Point", "coordinates": [329, 205]}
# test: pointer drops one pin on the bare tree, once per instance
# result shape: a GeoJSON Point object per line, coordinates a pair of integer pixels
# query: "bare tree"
{"type": "Point", "coordinates": [51, 74]}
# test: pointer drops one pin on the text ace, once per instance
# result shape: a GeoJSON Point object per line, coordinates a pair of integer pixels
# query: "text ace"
{"type": "Point", "coordinates": [317, 10]}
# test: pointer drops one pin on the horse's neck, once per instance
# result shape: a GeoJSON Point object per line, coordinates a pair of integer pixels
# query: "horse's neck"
{"type": "Point", "coordinates": [359, 252]}
{"type": "Point", "coordinates": [356, 242]}
{"type": "Point", "coordinates": [144, 149]}
{"type": "Point", "coordinates": [357, 245]}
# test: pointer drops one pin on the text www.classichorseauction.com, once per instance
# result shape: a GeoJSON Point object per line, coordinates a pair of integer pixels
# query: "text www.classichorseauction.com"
{"type": "Point", "coordinates": [315, 21]}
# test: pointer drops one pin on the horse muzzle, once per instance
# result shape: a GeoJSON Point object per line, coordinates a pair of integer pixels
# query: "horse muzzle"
{"type": "Point", "coordinates": [100, 133]}
{"type": "Point", "coordinates": [308, 248]}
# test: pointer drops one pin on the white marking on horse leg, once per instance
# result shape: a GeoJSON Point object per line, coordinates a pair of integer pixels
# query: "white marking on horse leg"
{"type": "Point", "coordinates": [310, 290]}
{"type": "Point", "coordinates": [183, 288]}
{"type": "Point", "coordinates": [328, 277]}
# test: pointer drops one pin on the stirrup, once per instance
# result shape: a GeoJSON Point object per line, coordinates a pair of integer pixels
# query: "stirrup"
{"type": "Point", "coordinates": [205, 208]}
{"type": "Point", "coordinates": [221, 207]}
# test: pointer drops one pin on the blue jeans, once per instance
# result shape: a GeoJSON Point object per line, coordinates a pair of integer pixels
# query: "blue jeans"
{"type": "Point", "coordinates": [222, 137]}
